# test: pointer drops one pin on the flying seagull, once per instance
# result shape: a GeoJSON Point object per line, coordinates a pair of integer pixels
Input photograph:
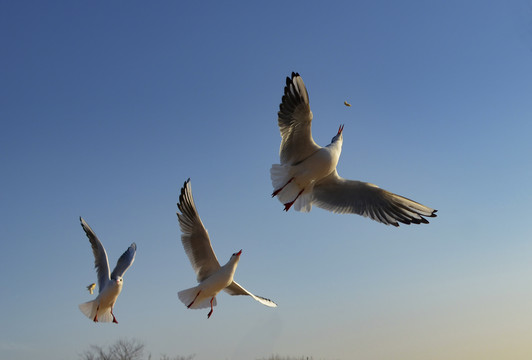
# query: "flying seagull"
{"type": "Point", "coordinates": [212, 277]}
{"type": "Point", "coordinates": [109, 284]}
{"type": "Point", "coordinates": [307, 173]}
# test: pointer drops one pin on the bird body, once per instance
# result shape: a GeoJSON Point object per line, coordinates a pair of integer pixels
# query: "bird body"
{"type": "Point", "coordinates": [212, 277]}
{"type": "Point", "coordinates": [295, 182]}
{"type": "Point", "coordinates": [109, 284]}
{"type": "Point", "coordinates": [199, 296]}
{"type": "Point", "coordinates": [307, 173]}
{"type": "Point", "coordinates": [101, 308]}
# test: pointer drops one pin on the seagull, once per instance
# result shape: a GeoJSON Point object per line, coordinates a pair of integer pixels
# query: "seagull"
{"type": "Point", "coordinates": [212, 277]}
{"type": "Point", "coordinates": [91, 288]}
{"type": "Point", "coordinates": [307, 173]}
{"type": "Point", "coordinates": [109, 284]}
{"type": "Point", "coordinates": [347, 104]}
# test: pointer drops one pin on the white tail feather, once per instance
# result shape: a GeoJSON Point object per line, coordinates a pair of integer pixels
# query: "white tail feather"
{"type": "Point", "coordinates": [280, 175]}
{"type": "Point", "coordinates": [89, 310]}
{"type": "Point", "coordinates": [304, 201]}
{"type": "Point", "coordinates": [188, 296]}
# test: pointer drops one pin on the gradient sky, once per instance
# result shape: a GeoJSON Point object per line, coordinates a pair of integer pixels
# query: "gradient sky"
{"type": "Point", "coordinates": [106, 108]}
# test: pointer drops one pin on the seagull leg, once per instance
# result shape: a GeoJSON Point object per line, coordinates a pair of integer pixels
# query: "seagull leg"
{"type": "Point", "coordinates": [279, 190]}
{"type": "Point", "coordinates": [210, 312]}
{"type": "Point", "coordinates": [288, 205]}
{"type": "Point", "coordinates": [189, 305]}
{"type": "Point", "coordinates": [114, 319]}
{"type": "Point", "coordinates": [96, 316]}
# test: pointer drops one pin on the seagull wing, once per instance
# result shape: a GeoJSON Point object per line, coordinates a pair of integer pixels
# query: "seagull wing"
{"type": "Point", "coordinates": [124, 262]}
{"type": "Point", "coordinates": [340, 195]}
{"type": "Point", "coordinates": [295, 120]}
{"type": "Point", "coordinates": [235, 289]}
{"type": "Point", "coordinates": [195, 238]}
{"type": "Point", "coordinates": [100, 256]}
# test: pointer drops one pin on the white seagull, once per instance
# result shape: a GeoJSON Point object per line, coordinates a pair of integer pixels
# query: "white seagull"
{"type": "Point", "coordinates": [212, 277]}
{"type": "Point", "coordinates": [307, 174]}
{"type": "Point", "coordinates": [109, 284]}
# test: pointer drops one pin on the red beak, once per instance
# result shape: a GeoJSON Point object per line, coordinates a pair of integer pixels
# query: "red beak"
{"type": "Point", "coordinates": [238, 253]}
{"type": "Point", "coordinates": [340, 129]}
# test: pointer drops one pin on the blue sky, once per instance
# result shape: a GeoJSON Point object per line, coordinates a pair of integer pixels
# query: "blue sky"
{"type": "Point", "coordinates": [108, 107]}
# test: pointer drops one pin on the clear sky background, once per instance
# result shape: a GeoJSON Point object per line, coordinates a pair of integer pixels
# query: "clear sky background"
{"type": "Point", "coordinates": [106, 108]}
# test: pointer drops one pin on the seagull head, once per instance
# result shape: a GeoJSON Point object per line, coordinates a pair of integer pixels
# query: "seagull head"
{"type": "Point", "coordinates": [236, 256]}
{"type": "Point", "coordinates": [118, 280]}
{"type": "Point", "coordinates": [339, 135]}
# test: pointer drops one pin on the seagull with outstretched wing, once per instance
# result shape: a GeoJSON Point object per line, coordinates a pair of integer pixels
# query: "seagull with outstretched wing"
{"type": "Point", "coordinates": [307, 173]}
{"type": "Point", "coordinates": [212, 277]}
{"type": "Point", "coordinates": [109, 283]}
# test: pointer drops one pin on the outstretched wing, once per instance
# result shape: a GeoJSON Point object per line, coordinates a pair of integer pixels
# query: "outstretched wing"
{"type": "Point", "coordinates": [100, 256]}
{"type": "Point", "coordinates": [235, 289]}
{"type": "Point", "coordinates": [124, 262]}
{"type": "Point", "coordinates": [340, 195]}
{"type": "Point", "coordinates": [194, 236]}
{"type": "Point", "coordinates": [295, 120]}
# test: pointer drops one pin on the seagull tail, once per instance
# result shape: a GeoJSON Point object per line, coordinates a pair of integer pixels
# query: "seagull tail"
{"type": "Point", "coordinates": [192, 299]}
{"type": "Point", "coordinates": [304, 201]}
{"type": "Point", "coordinates": [287, 190]}
{"type": "Point", "coordinates": [89, 310]}
{"type": "Point", "coordinates": [280, 175]}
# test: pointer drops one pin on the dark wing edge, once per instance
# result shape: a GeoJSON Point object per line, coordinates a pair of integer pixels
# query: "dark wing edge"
{"type": "Point", "coordinates": [295, 122]}
{"type": "Point", "coordinates": [340, 195]}
{"type": "Point", "coordinates": [101, 263]}
{"type": "Point", "coordinates": [195, 238]}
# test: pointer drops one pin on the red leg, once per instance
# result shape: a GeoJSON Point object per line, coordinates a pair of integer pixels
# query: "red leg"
{"type": "Point", "coordinates": [288, 205]}
{"type": "Point", "coordinates": [210, 312]}
{"type": "Point", "coordinates": [114, 319]}
{"type": "Point", "coordinates": [279, 190]}
{"type": "Point", "coordinates": [189, 305]}
{"type": "Point", "coordinates": [96, 316]}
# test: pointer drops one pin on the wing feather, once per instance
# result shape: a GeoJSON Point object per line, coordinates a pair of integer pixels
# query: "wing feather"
{"type": "Point", "coordinates": [340, 195]}
{"type": "Point", "coordinates": [101, 263]}
{"type": "Point", "coordinates": [195, 237]}
{"type": "Point", "coordinates": [236, 289]}
{"type": "Point", "coordinates": [124, 262]}
{"type": "Point", "coordinates": [295, 120]}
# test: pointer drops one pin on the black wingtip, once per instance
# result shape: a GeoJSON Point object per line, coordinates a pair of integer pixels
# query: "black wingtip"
{"type": "Point", "coordinates": [183, 194]}
{"type": "Point", "coordinates": [290, 80]}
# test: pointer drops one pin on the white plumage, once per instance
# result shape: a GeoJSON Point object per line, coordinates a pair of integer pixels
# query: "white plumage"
{"type": "Point", "coordinates": [307, 173]}
{"type": "Point", "coordinates": [212, 277]}
{"type": "Point", "coordinates": [109, 284]}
